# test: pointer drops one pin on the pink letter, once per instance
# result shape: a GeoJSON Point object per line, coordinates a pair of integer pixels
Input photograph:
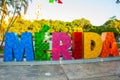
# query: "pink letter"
{"type": "Point", "coordinates": [60, 44]}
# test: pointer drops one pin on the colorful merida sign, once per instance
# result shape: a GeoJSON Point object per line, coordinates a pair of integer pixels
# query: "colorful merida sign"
{"type": "Point", "coordinates": [85, 45]}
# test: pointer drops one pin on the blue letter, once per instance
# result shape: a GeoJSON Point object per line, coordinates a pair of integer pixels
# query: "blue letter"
{"type": "Point", "coordinates": [15, 48]}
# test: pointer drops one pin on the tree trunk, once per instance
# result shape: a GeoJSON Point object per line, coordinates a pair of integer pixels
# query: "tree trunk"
{"type": "Point", "coordinates": [11, 22]}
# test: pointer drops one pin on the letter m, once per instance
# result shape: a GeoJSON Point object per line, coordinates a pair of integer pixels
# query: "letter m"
{"type": "Point", "coordinates": [16, 48]}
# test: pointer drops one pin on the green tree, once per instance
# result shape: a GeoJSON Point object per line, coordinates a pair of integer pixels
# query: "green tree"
{"type": "Point", "coordinates": [16, 6]}
{"type": "Point", "coordinates": [83, 23]}
{"type": "Point", "coordinates": [118, 1]}
{"type": "Point", "coordinates": [20, 26]}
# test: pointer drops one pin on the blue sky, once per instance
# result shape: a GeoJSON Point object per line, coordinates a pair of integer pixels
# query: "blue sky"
{"type": "Point", "coordinates": [97, 11]}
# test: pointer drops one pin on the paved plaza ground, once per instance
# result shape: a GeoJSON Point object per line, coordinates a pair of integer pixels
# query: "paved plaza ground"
{"type": "Point", "coordinates": [88, 71]}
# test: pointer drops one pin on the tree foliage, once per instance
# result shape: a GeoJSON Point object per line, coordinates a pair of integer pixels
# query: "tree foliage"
{"type": "Point", "coordinates": [10, 6]}
{"type": "Point", "coordinates": [79, 25]}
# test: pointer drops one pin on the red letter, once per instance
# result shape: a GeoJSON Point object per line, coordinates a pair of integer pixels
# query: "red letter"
{"type": "Point", "coordinates": [77, 45]}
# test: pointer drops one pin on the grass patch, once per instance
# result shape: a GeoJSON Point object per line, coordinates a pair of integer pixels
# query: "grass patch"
{"type": "Point", "coordinates": [1, 51]}
{"type": "Point", "coordinates": [118, 44]}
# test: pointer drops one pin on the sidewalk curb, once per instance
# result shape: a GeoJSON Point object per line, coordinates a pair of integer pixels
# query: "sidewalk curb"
{"type": "Point", "coordinates": [81, 61]}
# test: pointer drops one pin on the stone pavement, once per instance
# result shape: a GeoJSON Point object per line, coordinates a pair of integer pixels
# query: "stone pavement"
{"type": "Point", "coordinates": [89, 71]}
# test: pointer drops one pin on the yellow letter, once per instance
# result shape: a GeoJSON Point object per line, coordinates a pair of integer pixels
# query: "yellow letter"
{"type": "Point", "coordinates": [92, 45]}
